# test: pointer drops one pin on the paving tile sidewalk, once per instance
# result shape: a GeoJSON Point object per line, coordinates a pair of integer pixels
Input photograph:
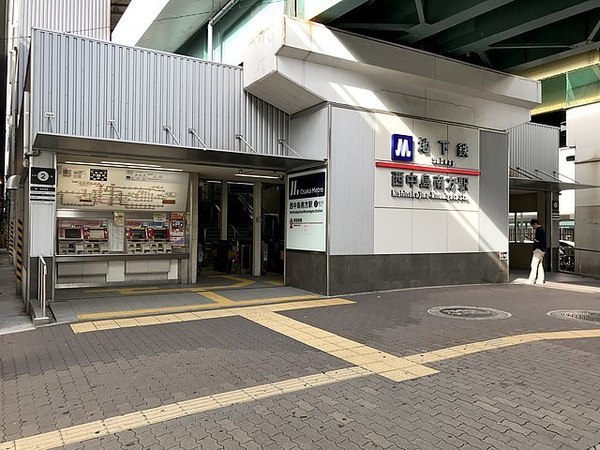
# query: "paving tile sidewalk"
{"type": "Point", "coordinates": [538, 395]}
{"type": "Point", "coordinates": [12, 308]}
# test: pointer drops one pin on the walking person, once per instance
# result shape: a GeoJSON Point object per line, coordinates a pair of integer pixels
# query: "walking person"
{"type": "Point", "coordinates": [536, 276]}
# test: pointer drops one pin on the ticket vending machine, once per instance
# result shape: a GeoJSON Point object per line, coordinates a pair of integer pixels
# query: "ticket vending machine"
{"type": "Point", "coordinates": [95, 240]}
{"type": "Point", "coordinates": [70, 240]}
{"type": "Point", "coordinates": [82, 237]}
{"type": "Point", "coordinates": [137, 240]}
{"type": "Point", "coordinates": [159, 239]}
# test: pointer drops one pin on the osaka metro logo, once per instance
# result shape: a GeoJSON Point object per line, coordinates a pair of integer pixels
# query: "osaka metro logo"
{"type": "Point", "coordinates": [402, 147]}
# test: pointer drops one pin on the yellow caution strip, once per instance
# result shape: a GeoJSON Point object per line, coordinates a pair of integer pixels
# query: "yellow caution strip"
{"type": "Point", "coordinates": [385, 364]}
{"type": "Point", "coordinates": [181, 314]}
{"type": "Point", "coordinates": [99, 428]}
{"type": "Point", "coordinates": [217, 298]}
{"type": "Point", "coordinates": [508, 341]}
{"type": "Point", "coordinates": [369, 361]}
{"type": "Point", "coordinates": [19, 252]}
{"type": "Point", "coordinates": [240, 283]}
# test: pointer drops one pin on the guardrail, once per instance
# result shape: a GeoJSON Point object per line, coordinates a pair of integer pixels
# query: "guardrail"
{"type": "Point", "coordinates": [42, 275]}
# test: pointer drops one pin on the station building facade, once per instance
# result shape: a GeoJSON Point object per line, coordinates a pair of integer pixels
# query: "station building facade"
{"type": "Point", "coordinates": [393, 162]}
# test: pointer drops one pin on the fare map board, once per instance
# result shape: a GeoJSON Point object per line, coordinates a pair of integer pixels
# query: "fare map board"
{"type": "Point", "coordinates": [120, 189]}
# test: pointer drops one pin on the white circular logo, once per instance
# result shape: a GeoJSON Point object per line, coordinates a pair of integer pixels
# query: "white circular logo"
{"type": "Point", "coordinates": [43, 175]}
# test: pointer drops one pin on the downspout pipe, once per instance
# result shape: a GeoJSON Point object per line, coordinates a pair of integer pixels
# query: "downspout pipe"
{"type": "Point", "coordinates": [211, 23]}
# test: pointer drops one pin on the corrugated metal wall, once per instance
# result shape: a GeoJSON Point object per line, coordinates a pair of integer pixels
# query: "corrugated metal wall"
{"type": "Point", "coordinates": [83, 17]}
{"type": "Point", "coordinates": [534, 146]}
{"type": "Point", "coordinates": [493, 192]}
{"type": "Point", "coordinates": [309, 133]}
{"type": "Point", "coordinates": [86, 83]}
{"type": "Point", "coordinates": [351, 201]}
{"type": "Point", "coordinates": [89, 18]}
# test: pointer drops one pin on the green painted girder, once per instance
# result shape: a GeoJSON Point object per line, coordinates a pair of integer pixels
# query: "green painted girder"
{"type": "Point", "coordinates": [516, 18]}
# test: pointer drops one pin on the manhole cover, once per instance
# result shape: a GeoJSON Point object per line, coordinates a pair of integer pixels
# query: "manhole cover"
{"type": "Point", "coordinates": [577, 314]}
{"type": "Point", "coordinates": [468, 312]}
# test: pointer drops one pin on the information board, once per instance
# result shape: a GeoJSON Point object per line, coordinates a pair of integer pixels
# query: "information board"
{"type": "Point", "coordinates": [306, 211]}
{"type": "Point", "coordinates": [120, 189]}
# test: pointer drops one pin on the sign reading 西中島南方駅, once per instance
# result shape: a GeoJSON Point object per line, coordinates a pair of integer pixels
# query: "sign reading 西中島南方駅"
{"type": "Point", "coordinates": [306, 211]}
{"type": "Point", "coordinates": [429, 161]}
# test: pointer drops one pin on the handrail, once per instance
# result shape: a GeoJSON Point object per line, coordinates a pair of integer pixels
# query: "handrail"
{"type": "Point", "coordinates": [564, 176]}
{"type": "Point", "coordinates": [42, 275]}
{"type": "Point", "coordinates": [581, 249]}
{"type": "Point", "coordinates": [548, 175]}
{"type": "Point", "coordinates": [526, 172]}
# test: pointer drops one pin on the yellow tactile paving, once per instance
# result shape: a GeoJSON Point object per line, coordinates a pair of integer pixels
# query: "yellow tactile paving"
{"type": "Point", "coordinates": [492, 344]}
{"type": "Point", "coordinates": [367, 360]}
{"type": "Point", "coordinates": [111, 324]}
{"type": "Point", "coordinates": [193, 307]}
{"type": "Point", "coordinates": [351, 351]}
{"type": "Point", "coordinates": [99, 428]}
{"type": "Point", "coordinates": [217, 298]}
{"type": "Point", "coordinates": [241, 282]}
{"type": "Point", "coordinates": [570, 287]}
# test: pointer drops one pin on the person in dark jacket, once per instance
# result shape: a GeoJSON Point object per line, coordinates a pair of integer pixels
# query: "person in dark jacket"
{"type": "Point", "coordinates": [539, 250]}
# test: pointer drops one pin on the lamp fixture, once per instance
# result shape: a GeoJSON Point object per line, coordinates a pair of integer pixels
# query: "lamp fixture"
{"type": "Point", "coordinates": [252, 175]}
{"type": "Point", "coordinates": [241, 173]}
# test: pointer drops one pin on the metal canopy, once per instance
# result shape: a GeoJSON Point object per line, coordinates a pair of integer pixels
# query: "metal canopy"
{"type": "Point", "coordinates": [507, 35]}
{"type": "Point", "coordinates": [101, 148]}
{"type": "Point", "coordinates": [544, 185]}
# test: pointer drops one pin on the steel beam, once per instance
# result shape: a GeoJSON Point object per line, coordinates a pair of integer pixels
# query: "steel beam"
{"type": "Point", "coordinates": [575, 50]}
{"type": "Point", "coordinates": [424, 30]}
{"type": "Point", "coordinates": [420, 13]}
{"type": "Point", "coordinates": [490, 30]}
{"type": "Point", "coordinates": [338, 10]}
{"type": "Point", "coordinates": [375, 26]}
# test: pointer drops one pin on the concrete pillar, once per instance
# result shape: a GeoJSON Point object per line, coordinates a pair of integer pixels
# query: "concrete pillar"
{"type": "Point", "coordinates": [257, 230]}
{"type": "Point", "coordinates": [224, 207]}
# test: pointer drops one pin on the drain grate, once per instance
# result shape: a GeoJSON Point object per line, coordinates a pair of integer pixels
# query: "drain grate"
{"type": "Point", "coordinates": [583, 315]}
{"type": "Point", "coordinates": [468, 312]}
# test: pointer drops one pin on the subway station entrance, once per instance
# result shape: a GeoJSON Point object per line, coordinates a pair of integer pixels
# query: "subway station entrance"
{"type": "Point", "coordinates": [230, 228]}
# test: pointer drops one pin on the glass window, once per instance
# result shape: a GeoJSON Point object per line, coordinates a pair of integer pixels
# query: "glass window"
{"type": "Point", "coordinates": [519, 228]}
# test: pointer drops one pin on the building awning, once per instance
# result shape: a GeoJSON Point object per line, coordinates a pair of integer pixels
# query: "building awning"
{"type": "Point", "coordinates": [102, 148]}
{"type": "Point", "coordinates": [545, 185]}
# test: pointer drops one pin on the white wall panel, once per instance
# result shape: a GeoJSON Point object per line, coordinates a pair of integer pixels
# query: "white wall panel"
{"type": "Point", "coordinates": [429, 231]}
{"type": "Point", "coordinates": [393, 231]}
{"type": "Point", "coordinates": [493, 192]}
{"type": "Point", "coordinates": [351, 182]}
{"type": "Point", "coordinates": [86, 83]}
{"type": "Point", "coordinates": [463, 231]}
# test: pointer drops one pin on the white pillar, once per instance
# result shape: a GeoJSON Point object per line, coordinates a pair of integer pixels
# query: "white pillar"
{"type": "Point", "coordinates": [257, 230]}
{"type": "Point", "coordinates": [224, 205]}
{"type": "Point", "coordinates": [194, 237]}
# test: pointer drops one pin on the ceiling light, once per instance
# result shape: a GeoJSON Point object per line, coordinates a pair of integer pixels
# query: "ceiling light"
{"type": "Point", "coordinates": [251, 175]}
{"type": "Point", "coordinates": [123, 165]}
{"type": "Point", "coordinates": [130, 164]}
